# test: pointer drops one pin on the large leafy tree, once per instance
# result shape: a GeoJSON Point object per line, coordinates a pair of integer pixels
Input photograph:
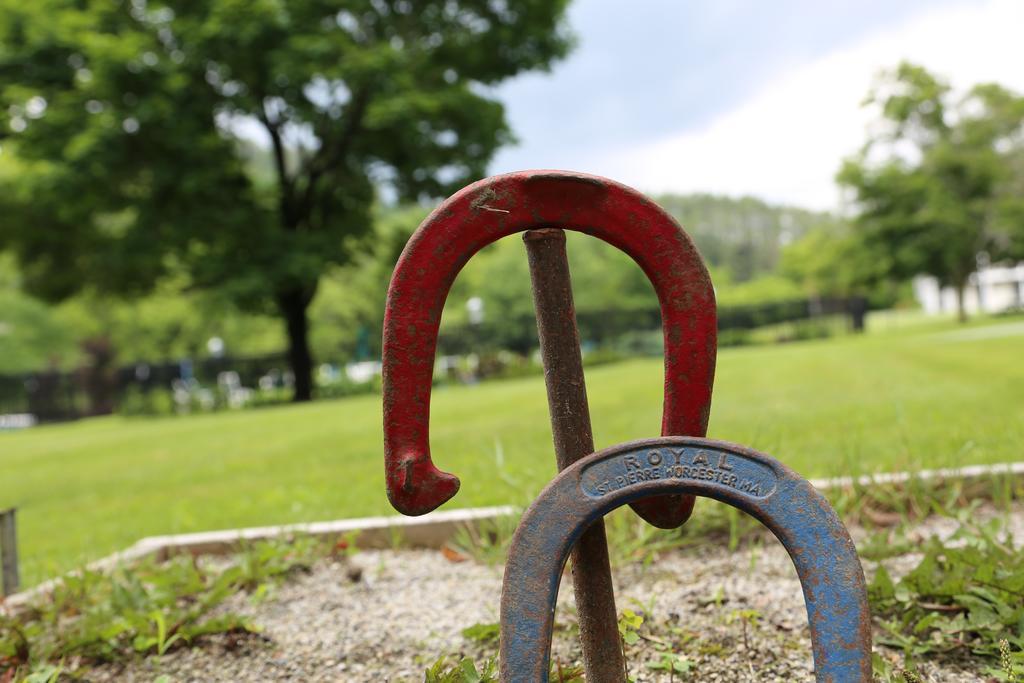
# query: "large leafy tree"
{"type": "Point", "coordinates": [130, 120]}
{"type": "Point", "coordinates": [939, 183]}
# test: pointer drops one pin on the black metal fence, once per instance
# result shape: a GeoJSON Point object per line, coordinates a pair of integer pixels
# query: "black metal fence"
{"type": "Point", "coordinates": [54, 396]}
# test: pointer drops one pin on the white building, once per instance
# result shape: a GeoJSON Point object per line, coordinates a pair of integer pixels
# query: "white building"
{"type": "Point", "coordinates": [991, 290]}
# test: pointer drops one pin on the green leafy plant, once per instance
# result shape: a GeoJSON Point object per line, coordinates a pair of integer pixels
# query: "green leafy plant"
{"type": "Point", "coordinates": [672, 663]}
{"type": "Point", "coordinates": [146, 609]}
{"type": "Point", "coordinates": [748, 618]}
{"type": "Point", "coordinates": [1011, 664]}
{"type": "Point", "coordinates": [159, 642]}
{"type": "Point", "coordinates": [629, 626]}
{"type": "Point", "coordinates": [483, 633]}
{"type": "Point", "coordinates": [465, 670]}
{"type": "Point", "coordinates": [462, 671]}
{"type": "Point", "coordinates": [885, 671]}
{"type": "Point", "coordinates": [966, 596]}
{"type": "Point", "coordinates": [45, 674]}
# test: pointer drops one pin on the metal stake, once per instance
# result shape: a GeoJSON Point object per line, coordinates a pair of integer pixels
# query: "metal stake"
{"type": "Point", "coordinates": [603, 659]}
{"type": "Point", "coordinates": [9, 551]}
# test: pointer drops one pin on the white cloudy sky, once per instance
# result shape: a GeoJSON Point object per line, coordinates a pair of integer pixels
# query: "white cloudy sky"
{"type": "Point", "coordinates": [742, 96]}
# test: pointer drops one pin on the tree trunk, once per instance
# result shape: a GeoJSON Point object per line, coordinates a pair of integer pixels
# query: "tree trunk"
{"type": "Point", "coordinates": [294, 304]}
{"type": "Point", "coordinates": [858, 307]}
{"type": "Point", "coordinates": [961, 305]}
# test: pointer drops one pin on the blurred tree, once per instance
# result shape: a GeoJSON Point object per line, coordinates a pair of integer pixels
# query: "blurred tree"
{"type": "Point", "coordinates": [832, 261]}
{"type": "Point", "coordinates": [31, 336]}
{"type": "Point", "coordinates": [169, 324]}
{"type": "Point", "coordinates": [939, 183]}
{"type": "Point", "coordinates": [1011, 206]}
{"type": "Point", "coordinates": [350, 303]}
{"type": "Point", "coordinates": [742, 235]}
{"type": "Point", "coordinates": [130, 123]}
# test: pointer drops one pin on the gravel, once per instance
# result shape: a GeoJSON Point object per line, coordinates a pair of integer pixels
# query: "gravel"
{"type": "Point", "coordinates": [388, 615]}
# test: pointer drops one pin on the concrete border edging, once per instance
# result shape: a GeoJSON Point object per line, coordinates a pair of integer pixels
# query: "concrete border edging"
{"type": "Point", "coordinates": [431, 530]}
{"type": "Point", "coordinates": [427, 531]}
{"type": "Point", "coordinates": [966, 473]}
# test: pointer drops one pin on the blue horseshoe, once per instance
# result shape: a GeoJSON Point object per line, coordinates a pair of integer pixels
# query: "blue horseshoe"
{"type": "Point", "coordinates": [826, 560]}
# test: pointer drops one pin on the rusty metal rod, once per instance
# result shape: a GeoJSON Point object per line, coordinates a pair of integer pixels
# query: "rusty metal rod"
{"type": "Point", "coordinates": [603, 659]}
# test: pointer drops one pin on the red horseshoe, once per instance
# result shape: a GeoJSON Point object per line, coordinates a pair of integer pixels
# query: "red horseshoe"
{"type": "Point", "coordinates": [502, 205]}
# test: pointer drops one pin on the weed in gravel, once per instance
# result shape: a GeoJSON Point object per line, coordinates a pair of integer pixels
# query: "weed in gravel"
{"type": "Point", "coordinates": [348, 544]}
{"type": "Point", "coordinates": [144, 609]}
{"type": "Point", "coordinates": [565, 673]}
{"type": "Point", "coordinates": [965, 597]}
{"type": "Point", "coordinates": [1011, 666]}
{"type": "Point", "coordinates": [482, 633]}
{"type": "Point", "coordinates": [748, 618]}
{"type": "Point", "coordinates": [673, 664]}
{"type": "Point", "coordinates": [887, 669]}
{"type": "Point", "coordinates": [462, 671]}
{"type": "Point", "coordinates": [629, 626]}
{"type": "Point", "coordinates": [885, 543]}
{"type": "Point", "coordinates": [44, 674]}
{"type": "Point", "coordinates": [888, 504]}
{"type": "Point", "coordinates": [465, 671]}
{"type": "Point", "coordinates": [486, 541]}
{"type": "Point", "coordinates": [657, 646]}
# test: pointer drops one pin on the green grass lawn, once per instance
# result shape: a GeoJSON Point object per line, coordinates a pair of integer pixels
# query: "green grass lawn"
{"type": "Point", "coordinates": [930, 395]}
